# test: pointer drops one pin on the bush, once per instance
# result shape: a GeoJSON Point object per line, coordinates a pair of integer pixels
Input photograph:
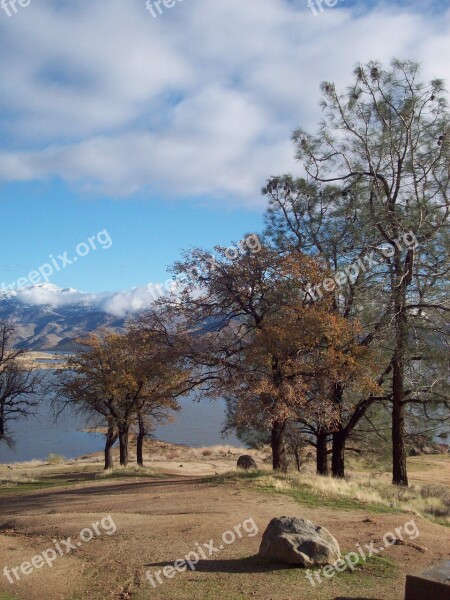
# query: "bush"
{"type": "Point", "coordinates": [55, 459]}
{"type": "Point", "coordinates": [434, 491]}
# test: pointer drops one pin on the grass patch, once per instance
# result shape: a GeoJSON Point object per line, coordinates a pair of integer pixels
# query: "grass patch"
{"type": "Point", "coordinates": [130, 472]}
{"type": "Point", "coordinates": [303, 494]}
{"type": "Point", "coordinates": [26, 486]}
{"type": "Point", "coordinates": [419, 463]}
{"type": "Point", "coordinates": [375, 566]}
{"type": "Point", "coordinates": [56, 459]}
{"type": "Point", "coordinates": [313, 496]}
{"type": "Point", "coordinates": [359, 493]}
{"type": "Point", "coordinates": [52, 476]}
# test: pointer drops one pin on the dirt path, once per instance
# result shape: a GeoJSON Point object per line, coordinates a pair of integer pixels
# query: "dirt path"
{"type": "Point", "coordinates": [160, 521]}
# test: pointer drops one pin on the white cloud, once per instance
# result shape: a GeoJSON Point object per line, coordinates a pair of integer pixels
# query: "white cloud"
{"type": "Point", "coordinates": [132, 301]}
{"type": "Point", "coordinates": [200, 101]}
{"type": "Point", "coordinates": [119, 304]}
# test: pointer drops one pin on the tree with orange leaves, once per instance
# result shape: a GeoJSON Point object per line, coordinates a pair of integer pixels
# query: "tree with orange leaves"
{"type": "Point", "coordinates": [249, 328]}
{"type": "Point", "coordinates": [117, 380]}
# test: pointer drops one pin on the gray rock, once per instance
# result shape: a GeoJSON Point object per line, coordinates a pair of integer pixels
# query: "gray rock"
{"type": "Point", "coordinates": [246, 462]}
{"type": "Point", "coordinates": [299, 542]}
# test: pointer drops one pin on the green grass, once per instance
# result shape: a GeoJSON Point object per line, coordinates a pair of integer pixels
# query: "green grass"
{"type": "Point", "coordinates": [255, 572]}
{"type": "Point", "coordinates": [132, 473]}
{"type": "Point", "coordinates": [311, 499]}
{"type": "Point", "coordinates": [375, 566]}
{"type": "Point", "coordinates": [62, 479]}
{"type": "Point", "coordinates": [28, 486]}
{"type": "Point", "coordinates": [441, 521]}
{"type": "Point", "coordinates": [303, 495]}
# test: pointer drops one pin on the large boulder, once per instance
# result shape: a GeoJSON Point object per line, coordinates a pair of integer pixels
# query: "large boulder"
{"type": "Point", "coordinates": [246, 462]}
{"type": "Point", "coordinates": [299, 542]}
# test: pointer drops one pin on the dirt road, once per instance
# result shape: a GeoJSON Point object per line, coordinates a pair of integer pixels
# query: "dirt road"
{"type": "Point", "coordinates": [161, 520]}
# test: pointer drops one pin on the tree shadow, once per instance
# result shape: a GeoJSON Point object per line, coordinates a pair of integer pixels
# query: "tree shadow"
{"type": "Point", "coordinates": [45, 498]}
{"type": "Point", "coordinates": [251, 564]}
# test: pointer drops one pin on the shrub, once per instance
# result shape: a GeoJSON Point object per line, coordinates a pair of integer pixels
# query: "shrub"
{"type": "Point", "coordinates": [55, 459]}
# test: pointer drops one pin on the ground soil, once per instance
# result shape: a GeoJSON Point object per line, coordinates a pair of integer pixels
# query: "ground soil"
{"type": "Point", "coordinates": [162, 519]}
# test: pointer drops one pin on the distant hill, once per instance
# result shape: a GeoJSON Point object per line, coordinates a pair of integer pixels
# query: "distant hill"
{"type": "Point", "coordinates": [54, 326]}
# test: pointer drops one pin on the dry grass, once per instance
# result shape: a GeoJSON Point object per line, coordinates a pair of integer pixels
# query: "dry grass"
{"type": "Point", "coordinates": [173, 455]}
{"type": "Point", "coordinates": [160, 451]}
{"type": "Point", "coordinates": [432, 501]}
{"type": "Point", "coordinates": [361, 489]}
{"type": "Point", "coordinates": [218, 451]}
{"type": "Point", "coordinates": [29, 464]}
{"type": "Point", "coordinates": [129, 471]}
{"type": "Point", "coordinates": [12, 479]}
{"type": "Point", "coordinates": [56, 459]}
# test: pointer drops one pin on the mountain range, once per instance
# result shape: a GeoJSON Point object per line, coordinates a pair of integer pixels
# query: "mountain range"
{"type": "Point", "coordinates": [50, 318]}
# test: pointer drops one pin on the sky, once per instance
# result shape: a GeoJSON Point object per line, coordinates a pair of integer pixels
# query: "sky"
{"type": "Point", "coordinates": [160, 131]}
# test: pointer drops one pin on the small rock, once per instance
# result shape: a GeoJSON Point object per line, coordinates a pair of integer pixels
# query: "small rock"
{"type": "Point", "coordinates": [246, 462]}
{"type": "Point", "coordinates": [417, 547]}
{"type": "Point", "coordinates": [369, 520]}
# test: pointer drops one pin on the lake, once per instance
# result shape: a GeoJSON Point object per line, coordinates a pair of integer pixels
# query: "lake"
{"type": "Point", "coordinates": [197, 424]}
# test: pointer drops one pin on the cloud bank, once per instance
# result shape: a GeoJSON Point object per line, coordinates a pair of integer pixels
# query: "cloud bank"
{"type": "Point", "coordinates": [119, 304]}
{"type": "Point", "coordinates": [200, 101]}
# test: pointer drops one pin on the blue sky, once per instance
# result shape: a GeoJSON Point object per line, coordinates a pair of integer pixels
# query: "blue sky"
{"type": "Point", "coordinates": [163, 130]}
{"type": "Point", "coordinates": [147, 235]}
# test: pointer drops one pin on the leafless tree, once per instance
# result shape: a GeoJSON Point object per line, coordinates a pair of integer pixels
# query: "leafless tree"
{"type": "Point", "coordinates": [20, 384]}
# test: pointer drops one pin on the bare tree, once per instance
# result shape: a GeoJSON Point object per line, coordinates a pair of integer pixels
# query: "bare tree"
{"type": "Point", "coordinates": [20, 384]}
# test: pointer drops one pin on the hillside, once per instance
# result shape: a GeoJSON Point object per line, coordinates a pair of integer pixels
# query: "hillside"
{"type": "Point", "coordinates": [54, 327]}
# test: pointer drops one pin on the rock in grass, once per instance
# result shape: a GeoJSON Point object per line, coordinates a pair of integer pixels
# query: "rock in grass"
{"type": "Point", "coordinates": [246, 462]}
{"type": "Point", "coordinates": [299, 542]}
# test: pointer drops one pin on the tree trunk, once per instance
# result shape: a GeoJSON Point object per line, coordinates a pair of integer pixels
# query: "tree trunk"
{"type": "Point", "coordinates": [123, 441]}
{"type": "Point", "coordinates": [322, 453]}
{"type": "Point", "coordinates": [399, 472]}
{"type": "Point", "coordinates": [140, 442]}
{"type": "Point", "coordinates": [339, 435]}
{"type": "Point", "coordinates": [111, 438]}
{"type": "Point", "coordinates": [279, 458]}
{"type": "Point", "coordinates": [297, 458]}
{"type": "Point", "coordinates": [338, 454]}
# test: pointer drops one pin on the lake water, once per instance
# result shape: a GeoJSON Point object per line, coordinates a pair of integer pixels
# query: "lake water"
{"type": "Point", "coordinates": [197, 424]}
